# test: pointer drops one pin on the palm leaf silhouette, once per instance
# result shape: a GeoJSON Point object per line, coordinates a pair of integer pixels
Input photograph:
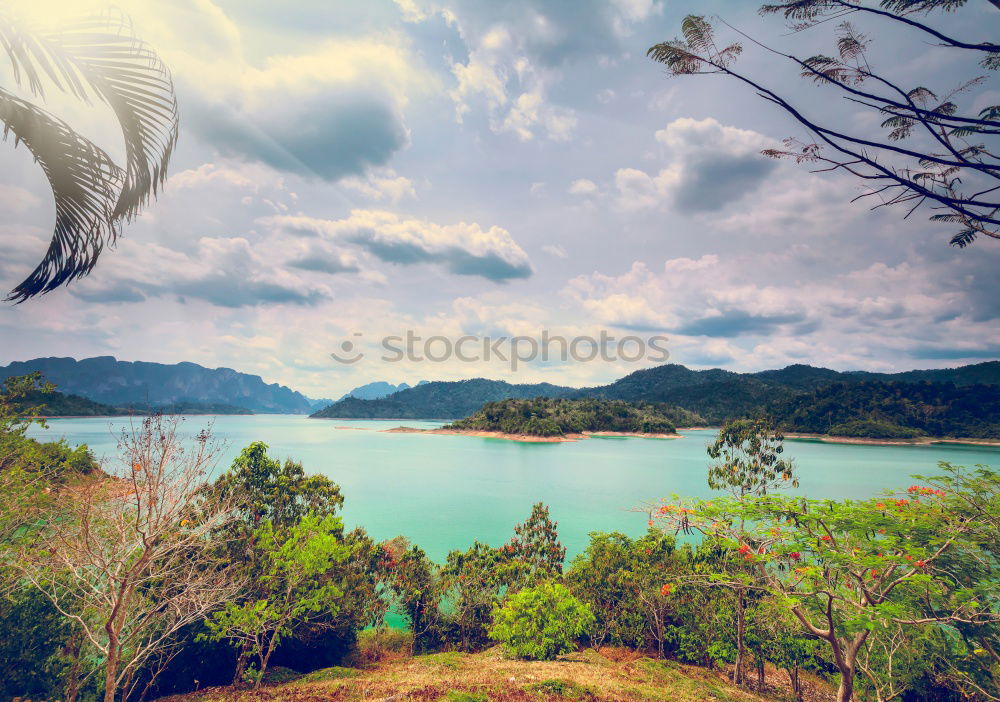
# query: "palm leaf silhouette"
{"type": "Point", "coordinates": [96, 58]}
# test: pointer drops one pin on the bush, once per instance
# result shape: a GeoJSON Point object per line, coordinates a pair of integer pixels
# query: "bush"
{"type": "Point", "coordinates": [541, 622]}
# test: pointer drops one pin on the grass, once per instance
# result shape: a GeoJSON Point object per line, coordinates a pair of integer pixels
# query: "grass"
{"type": "Point", "coordinates": [584, 676]}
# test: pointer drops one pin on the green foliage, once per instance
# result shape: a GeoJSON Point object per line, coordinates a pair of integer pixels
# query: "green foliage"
{"type": "Point", "coordinates": [293, 585]}
{"type": "Point", "coordinates": [748, 454]}
{"type": "Point", "coordinates": [856, 572]}
{"type": "Point", "coordinates": [621, 579]}
{"type": "Point", "coordinates": [418, 589]}
{"type": "Point", "coordinates": [894, 408]}
{"type": "Point", "coordinates": [536, 546]}
{"type": "Point", "coordinates": [474, 582]}
{"type": "Point", "coordinates": [553, 417]}
{"type": "Point", "coordinates": [263, 488]}
{"type": "Point", "coordinates": [873, 429]}
{"type": "Point", "coordinates": [541, 622]}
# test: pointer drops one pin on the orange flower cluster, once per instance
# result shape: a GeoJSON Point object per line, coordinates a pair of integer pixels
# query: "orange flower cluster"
{"type": "Point", "coordinates": [924, 490]}
{"type": "Point", "coordinates": [666, 589]}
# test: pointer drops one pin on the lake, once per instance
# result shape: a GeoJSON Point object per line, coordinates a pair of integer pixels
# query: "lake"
{"type": "Point", "coordinates": [442, 491]}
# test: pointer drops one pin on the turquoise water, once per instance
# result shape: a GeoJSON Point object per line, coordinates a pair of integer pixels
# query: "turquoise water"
{"type": "Point", "coordinates": [444, 491]}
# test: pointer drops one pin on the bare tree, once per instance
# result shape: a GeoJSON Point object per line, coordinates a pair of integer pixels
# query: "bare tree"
{"type": "Point", "coordinates": [933, 152]}
{"type": "Point", "coordinates": [126, 558]}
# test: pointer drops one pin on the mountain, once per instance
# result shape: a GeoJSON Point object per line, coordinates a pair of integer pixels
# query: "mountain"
{"type": "Point", "coordinates": [715, 394]}
{"type": "Point", "coordinates": [377, 390]}
{"type": "Point", "coordinates": [894, 409]}
{"type": "Point", "coordinates": [57, 404]}
{"type": "Point", "coordinates": [438, 400]}
{"type": "Point", "coordinates": [143, 385]}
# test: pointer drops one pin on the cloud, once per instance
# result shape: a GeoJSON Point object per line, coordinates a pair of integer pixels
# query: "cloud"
{"type": "Point", "coordinates": [711, 166]}
{"type": "Point", "coordinates": [226, 272]}
{"type": "Point", "coordinates": [463, 248]}
{"type": "Point", "coordinates": [555, 250]}
{"type": "Point", "coordinates": [582, 187]}
{"type": "Point", "coordinates": [329, 113]}
{"type": "Point", "coordinates": [385, 185]}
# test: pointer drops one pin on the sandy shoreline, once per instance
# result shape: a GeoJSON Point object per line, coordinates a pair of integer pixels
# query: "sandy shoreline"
{"type": "Point", "coordinates": [921, 441]}
{"type": "Point", "coordinates": [523, 437]}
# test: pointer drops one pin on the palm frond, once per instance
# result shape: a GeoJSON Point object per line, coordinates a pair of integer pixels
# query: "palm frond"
{"type": "Point", "coordinates": [85, 184]}
{"type": "Point", "coordinates": [102, 56]}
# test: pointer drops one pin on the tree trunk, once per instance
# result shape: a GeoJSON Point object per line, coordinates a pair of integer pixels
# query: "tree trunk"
{"type": "Point", "coordinates": [241, 664]}
{"type": "Point", "coordinates": [845, 693]}
{"type": "Point", "coordinates": [263, 661]}
{"type": "Point", "coordinates": [739, 677]}
{"type": "Point", "coordinates": [72, 649]}
{"type": "Point", "coordinates": [760, 673]}
{"type": "Point", "coordinates": [111, 670]}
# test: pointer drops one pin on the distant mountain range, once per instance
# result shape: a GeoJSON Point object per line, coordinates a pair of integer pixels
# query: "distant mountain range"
{"type": "Point", "coordinates": [714, 394]}
{"type": "Point", "coordinates": [377, 390]}
{"type": "Point", "coordinates": [185, 387]}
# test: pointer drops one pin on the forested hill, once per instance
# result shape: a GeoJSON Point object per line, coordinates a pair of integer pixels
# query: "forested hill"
{"type": "Point", "coordinates": [109, 381]}
{"type": "Point", "coordinates": [891, 410]}
{"type": "Point", "coordinates": [57, 404]}
{"type": "Point", "coordinates": [544, 416]}
{"type": "Point", "coordinates": [439, 400]}
{"type": "Point", "coordinates": [714, 394]}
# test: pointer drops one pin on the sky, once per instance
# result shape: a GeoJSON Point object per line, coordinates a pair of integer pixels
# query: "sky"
{"type": "Point", "coordinates": [348, 171]}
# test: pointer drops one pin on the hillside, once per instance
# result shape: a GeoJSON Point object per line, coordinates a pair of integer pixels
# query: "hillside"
{"type": "Point", "coordinates": [154, 385]}
{"type": "Point", "coordinates": [556, 417]}
{"type": "Point", "coordinates": [377, 390]}
{"type": "Point", "coordinates": [608, 675]}
{"type": "Point", "coordinates": [438, 400]}
{"type": "Point", "coordinates": [890, 410]}
{"type": "Point", "coordinates": [714, 394]}
{"type": "Point", "coordinates": [57, 404]}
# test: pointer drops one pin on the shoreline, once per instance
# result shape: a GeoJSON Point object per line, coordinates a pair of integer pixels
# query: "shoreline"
{"type": "Point", "coordinates": [919, 441]}
{"type": "Point", "coordinates": [528, 438]}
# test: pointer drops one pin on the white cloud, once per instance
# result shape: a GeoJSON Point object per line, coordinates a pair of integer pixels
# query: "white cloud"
{"type": "Point", "coordinates": [464, 248]}
{"type": "Point", "coordinates": [383, 185]}
{"type": "Point", "coordinates": [711, 166]}
{"type": "Point", "coordinates": [583, 186]}
{"type": "Point", "coordinates": [555, 250]}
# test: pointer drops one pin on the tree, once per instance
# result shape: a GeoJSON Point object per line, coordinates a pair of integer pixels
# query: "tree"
{"type": "Point", "coordinates": [853, 572]}
{"type": "Point", "coordinates": [417, 586]}
{"type": "Point", "coordinates": [124, 558]}
{"type": "Point", "coordinates": [260, 489]}
{"type": "Point", "coordinates": [539, 623]}
{"type": "Point", "coordinates": [475, 581]}
{"type": "Point", "coordinates": [295, 584]}
{"type": "Point", "coordinates": [95, 58]}
{"type": "Point", "coordinates": [934, 151]}
{"type": "Point", "coordinates": [536, 545]}
{"type": "Point", "coordinates": [748, 452]}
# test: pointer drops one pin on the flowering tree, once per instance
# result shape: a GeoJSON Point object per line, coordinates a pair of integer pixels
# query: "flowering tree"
{"type": "Point", "coordinates": [854, 572]}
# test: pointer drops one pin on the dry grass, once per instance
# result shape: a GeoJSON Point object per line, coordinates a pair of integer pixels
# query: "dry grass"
{"type": "Point", "coordinates": [585, 676]}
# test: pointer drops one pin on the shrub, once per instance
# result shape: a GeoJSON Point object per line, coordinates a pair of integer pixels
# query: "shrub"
{"type": "Point", "coordinates": [541, 622]}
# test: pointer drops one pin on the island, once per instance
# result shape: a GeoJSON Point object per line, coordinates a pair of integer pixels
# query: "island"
{"type": "Point", "coordinates": [560, 419]}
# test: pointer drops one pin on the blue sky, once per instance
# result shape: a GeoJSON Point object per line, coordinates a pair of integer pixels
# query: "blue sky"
{"type": "Point", "coordinates": [461, 167]}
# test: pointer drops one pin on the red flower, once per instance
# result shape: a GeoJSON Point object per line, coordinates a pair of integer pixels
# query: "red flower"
{"type": "Point", "coordinates": [665, 590]}
{"type": "Point", "coordinates": [795, 555]}
{"type": "Point", "coordinates": [920, 564]}
{"type": "Point", "coordinates": [826, 537]}
{"type": "Point", "coordinates": [744, 549]}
